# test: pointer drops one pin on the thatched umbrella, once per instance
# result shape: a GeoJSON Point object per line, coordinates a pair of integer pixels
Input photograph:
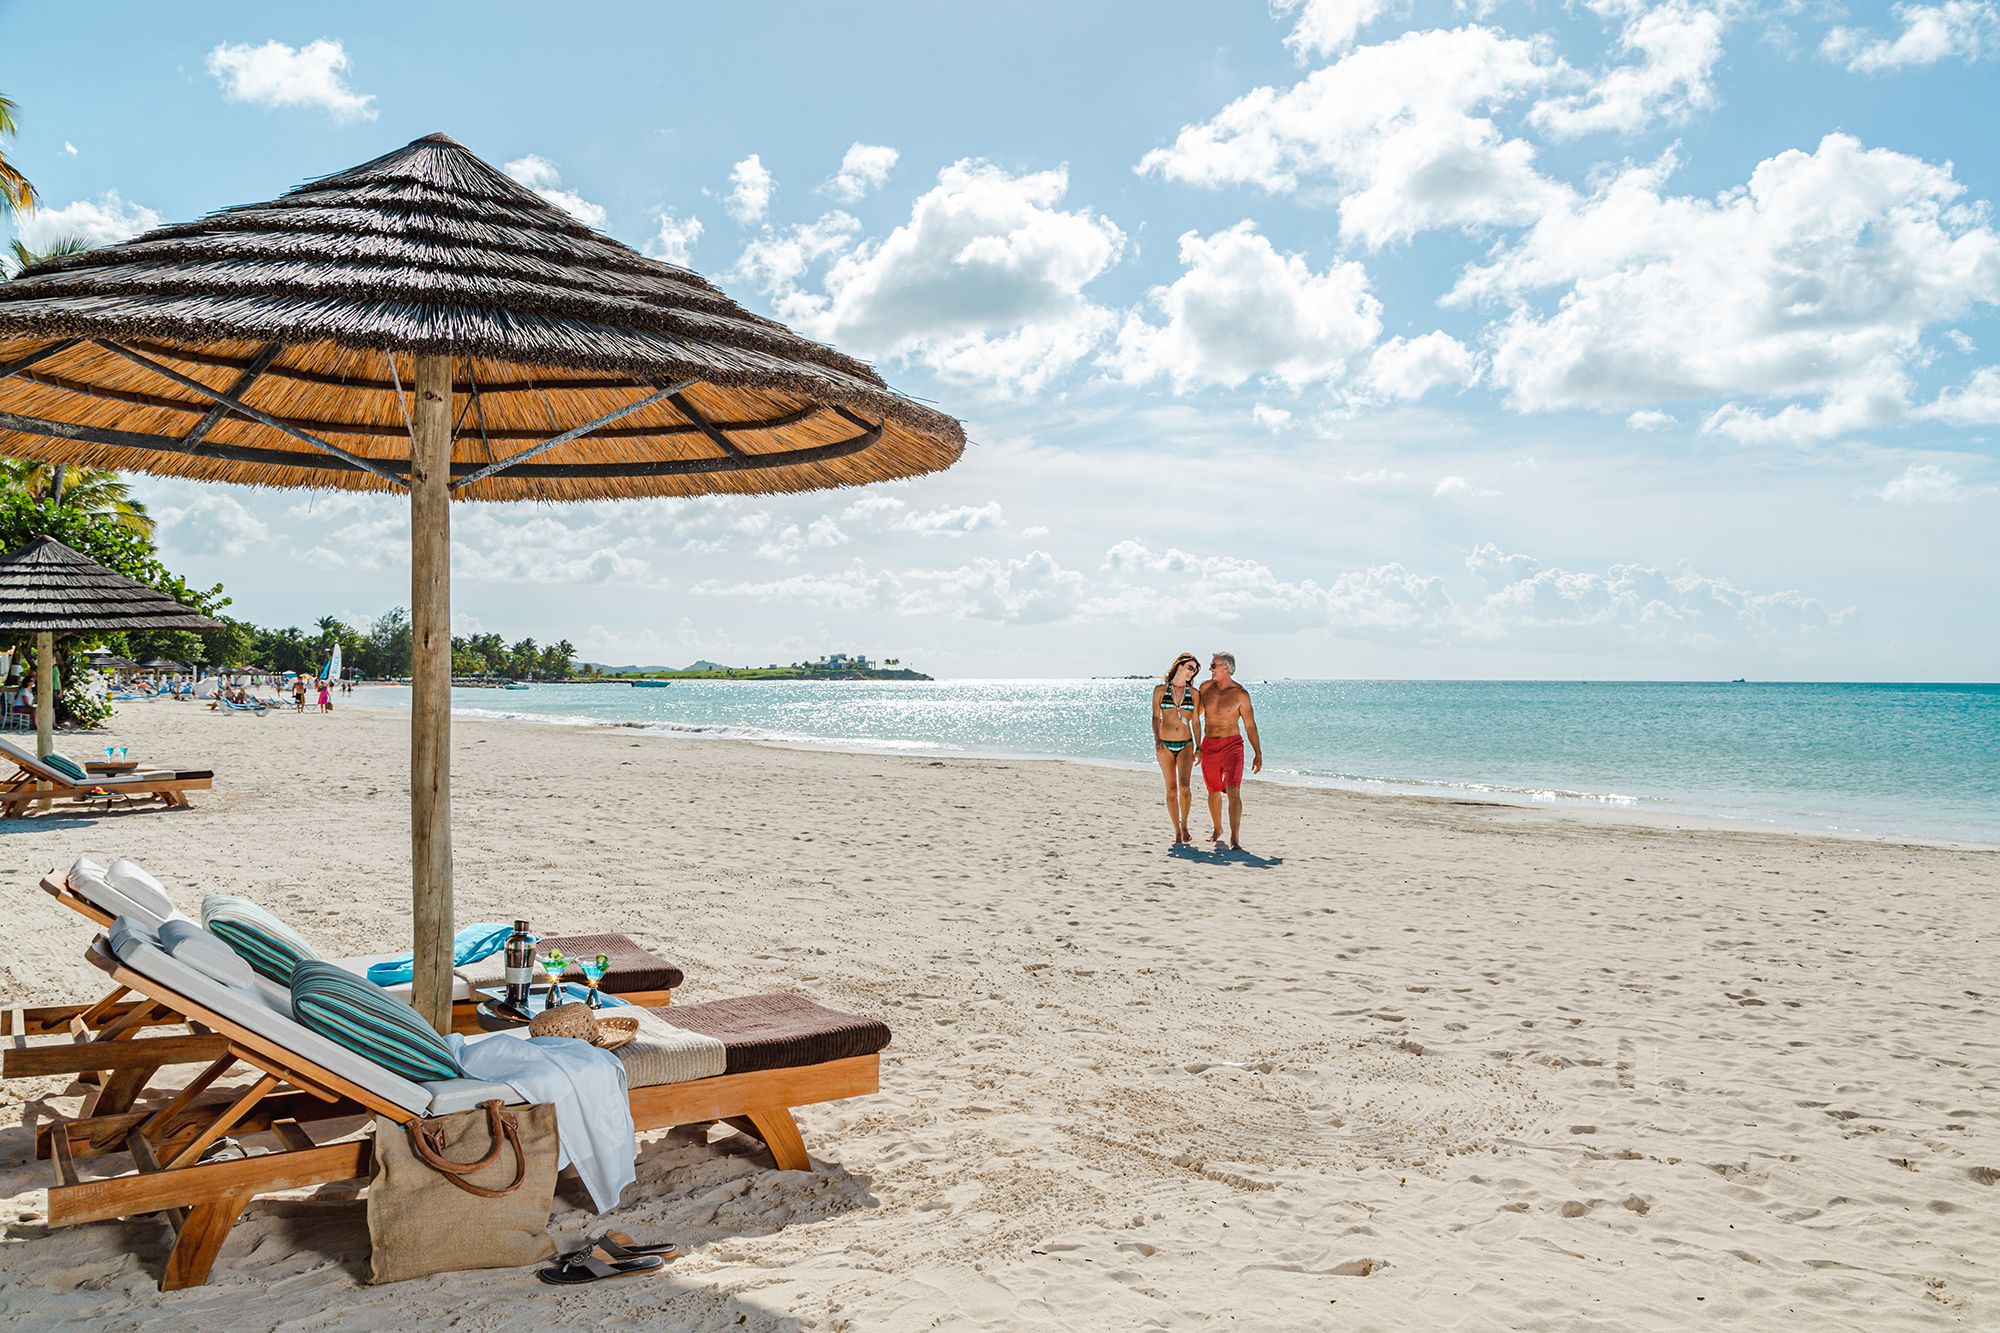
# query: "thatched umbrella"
{"type": "Point", "coordinates": [47, 589]}
{"type": "Point", "coordinates": [423, 323]}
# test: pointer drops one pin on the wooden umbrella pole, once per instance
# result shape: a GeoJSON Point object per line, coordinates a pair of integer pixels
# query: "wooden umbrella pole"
{"type": "Point", "coordinates": [430, 682]}
{"type": "Point", "coordinates": [45, 694]}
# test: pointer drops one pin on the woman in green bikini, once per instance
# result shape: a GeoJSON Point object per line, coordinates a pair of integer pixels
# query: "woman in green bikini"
{"type": "Point", "coordinates": [1176, 738]}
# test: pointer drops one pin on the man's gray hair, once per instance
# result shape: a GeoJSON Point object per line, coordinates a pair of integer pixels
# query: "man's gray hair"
{"type": "Point", "coordinates": [1226, 657]}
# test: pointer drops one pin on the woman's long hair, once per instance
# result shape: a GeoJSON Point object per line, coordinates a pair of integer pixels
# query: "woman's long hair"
{"type": "Point", "coordinates": [1175, 669]}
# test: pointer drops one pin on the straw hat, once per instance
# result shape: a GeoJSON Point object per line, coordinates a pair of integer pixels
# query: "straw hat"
{"type": "Point", "coordinates": [577, 1019]}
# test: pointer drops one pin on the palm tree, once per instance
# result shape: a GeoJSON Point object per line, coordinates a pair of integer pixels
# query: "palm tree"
{"type": "Point", "coordinates": [16, 194]}
{"type": "Point", "coordinates": [66, 245]}
{"type": "Point", "coordinates": [93, 492]}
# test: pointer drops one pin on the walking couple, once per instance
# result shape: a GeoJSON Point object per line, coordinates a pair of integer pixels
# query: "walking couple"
{"type": "Point", "coordinates": [1211, 719]}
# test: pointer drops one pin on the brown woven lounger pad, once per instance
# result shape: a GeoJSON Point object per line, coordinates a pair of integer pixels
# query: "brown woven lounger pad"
{"type": "Point", "coordinates": [633, 966]}
{"type": "Point", "coordinates": [779, 1031]}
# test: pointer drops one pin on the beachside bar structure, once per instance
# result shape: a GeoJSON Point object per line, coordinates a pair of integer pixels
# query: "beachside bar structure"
{"type": "Point", "coordinates": [422, 324]}
{"type": "Point", "coordinates": [46, 589]}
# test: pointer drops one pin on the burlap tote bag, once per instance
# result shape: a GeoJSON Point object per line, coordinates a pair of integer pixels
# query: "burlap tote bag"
{"type": "Point", "coordinates": [467, 1190]}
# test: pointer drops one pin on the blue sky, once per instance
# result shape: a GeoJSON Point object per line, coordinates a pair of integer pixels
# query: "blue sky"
{"type": "Point", "coordinates": [1618, 338]}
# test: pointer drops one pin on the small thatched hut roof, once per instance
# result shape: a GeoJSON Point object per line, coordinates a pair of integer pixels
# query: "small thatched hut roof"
{"type": "Point", "coordinates": [45, 587]}
{"type": "Point", "coordinates": [304, 313]}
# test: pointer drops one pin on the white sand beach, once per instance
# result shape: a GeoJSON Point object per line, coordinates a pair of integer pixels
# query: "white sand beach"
{"type": "Point", "coordinates": [1418, 1065]}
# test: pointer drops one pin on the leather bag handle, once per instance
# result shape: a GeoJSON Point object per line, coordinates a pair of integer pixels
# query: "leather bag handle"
{"type": "Point", "coordinates": [427, 1142]}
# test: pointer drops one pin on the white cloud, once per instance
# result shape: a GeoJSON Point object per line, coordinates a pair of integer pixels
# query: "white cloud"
{"type": "Point", "coordinates": [791, 542]}
{"type": "Point", "coordinates": [1929, 484]}
{"type": "Point", "coordinates": [1976, 403]}
{"type": "Point", "coordinates": [211, 523]}
{"type": "Point", "coordinates": [956, 521]}
{"type": "Point", "coordinates": [1033, 589]}
{"type": "Point", "coordinates": [1647, 418]}
{"type": "Point", "coordinates": [1642, 603]}
{"type": "Point", "coordinates": [984, 283]}
{"type": "Point", "coordinates": [1409, 368]}
{"type": "Point", "coordinates": [1273, 419]}
{"type": "Point", "coordinates": [1178, 587]}
{"type": "Point", "coordinates": [1491, 565]}
{"type": "Point", "coordinates": [1676, 45]}
{"type": "Point", "coordinates": [776, 262]}
{"type": "Point", "coordinates": [863, 168]}
{"type": "Point", "coordinates": [1397, 128]}
{"type": "Point", "coordinates": [540, 175]}
{"type": "Point", "coordinates": [1241, 309]}
{"type": "Point", "coordinates": [1326, 26]}
{"type": "Point", "coordinates": [583, 545]}
{"type": "Point", "coordinates": [277, 75]}
{"type": "Point", "coordinates": [751, 186]}
{"type": "Point", "coordinates": [675, 239]}
{"type": "Point", "coordinates": [1456, 487]}
{"type": "Point", "coordinates": [1816, 279]}
{"type": "Point", "coordinates": [871, 507]}
{"type": "Point", "coordinates": [69, 148]}
{"type": "Point", "coordinates": [1876, 396]}
{"type": "Point", "coordinates": [98, 221]}
{"type": "Point", "coordinates": [1966, 29]}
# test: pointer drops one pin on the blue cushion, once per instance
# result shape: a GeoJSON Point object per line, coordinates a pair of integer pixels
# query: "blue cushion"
{"type": "Point", "coordinates": [266, 943]}
{"type": "Point", "coordinates": [359, 1015]}
{"type": "Point", "coordinates": [66, 766]}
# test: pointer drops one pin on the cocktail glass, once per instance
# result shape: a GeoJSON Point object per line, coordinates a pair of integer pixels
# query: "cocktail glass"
{"type": "Point", "coordinates": [110, 753]}
{"type": "Point", "coordinates": [554, 964]}
{"type": "Point", "coordinates": [593, 972]}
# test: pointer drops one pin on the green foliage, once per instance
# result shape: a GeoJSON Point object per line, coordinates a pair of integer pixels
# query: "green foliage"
{"type": "Point", "coordinates": [79, 702]}
{"type": "Point", "coordinates": [24, 517]}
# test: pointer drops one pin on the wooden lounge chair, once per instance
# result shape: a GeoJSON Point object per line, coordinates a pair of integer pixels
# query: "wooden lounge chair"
{"type": "Point", "coordinates": [308, 1094]}
{"type": "Point", "coordinates": [637, 977]}
{"type": "Point", "coordinates": [35, 782]}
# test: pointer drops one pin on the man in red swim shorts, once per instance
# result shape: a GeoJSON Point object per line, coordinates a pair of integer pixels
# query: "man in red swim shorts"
{"type": "Point", "coordinates": [1226, 719]}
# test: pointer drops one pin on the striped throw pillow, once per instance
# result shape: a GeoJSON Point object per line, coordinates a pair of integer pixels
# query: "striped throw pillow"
{"type": "Point", "coordinates": [66, 766]}
{"type": "Point", "coordinates": [359, 1015]}
{"type": "Point", "coordinates": [266, 943]}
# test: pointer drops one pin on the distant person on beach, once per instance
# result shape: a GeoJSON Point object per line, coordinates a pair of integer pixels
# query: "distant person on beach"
{"type": "Point", "coordinates": [299, 692]}
{"type": "Point", "coordinates": [1175, 737]}
{"type": "Point", "coordinates": [1227, 718]}
{"type": "Point", "coordinates": [325, 696]}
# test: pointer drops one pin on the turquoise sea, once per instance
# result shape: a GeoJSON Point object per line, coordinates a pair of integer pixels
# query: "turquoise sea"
{"type": "Point", "coordinates": [1915, 760]}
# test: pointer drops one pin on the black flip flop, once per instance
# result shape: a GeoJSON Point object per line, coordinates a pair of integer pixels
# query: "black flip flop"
{"type": "Point", "coordinates": [621, 1246]}
{"type": "Point", "coordinates": [595, 1265]}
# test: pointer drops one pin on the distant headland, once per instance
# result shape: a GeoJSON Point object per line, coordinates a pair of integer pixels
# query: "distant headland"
{"type": "Point", "coordinates": [835, 666]}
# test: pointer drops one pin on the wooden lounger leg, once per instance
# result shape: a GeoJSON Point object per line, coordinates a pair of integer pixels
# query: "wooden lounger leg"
{"type": "Point", "coordinates": [202, 1232]}
{"type": "Point", "coordinates": [780, 1133]}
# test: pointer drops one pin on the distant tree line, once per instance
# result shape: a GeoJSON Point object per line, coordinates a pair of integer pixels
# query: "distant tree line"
{"type": "Point", "coordinates": [382, 651]}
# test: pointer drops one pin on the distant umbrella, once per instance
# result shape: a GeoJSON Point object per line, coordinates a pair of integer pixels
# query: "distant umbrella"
{"type": "Point", "coordinates": [47, 589]}
{"type": "Point", "coordinates": [423, 323]}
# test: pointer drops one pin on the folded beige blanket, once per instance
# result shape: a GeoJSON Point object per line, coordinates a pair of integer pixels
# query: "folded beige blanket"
{"type": "Point", "coordinates": [663, 1053]}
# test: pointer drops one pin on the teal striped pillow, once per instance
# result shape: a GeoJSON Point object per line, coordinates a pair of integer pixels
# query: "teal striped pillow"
{"type": "Point", "coordinates": [266, 943]}
{"type": "Point", "coordinates": [66, 766]}
{"type": "Point", "coordinates": [359, 1015]}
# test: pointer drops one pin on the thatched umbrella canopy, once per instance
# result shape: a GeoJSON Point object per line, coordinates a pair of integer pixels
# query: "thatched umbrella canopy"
{"type": "Point", "coordinates": [47, 589]}
{"type": "Point", "coordinates": [422, 322]}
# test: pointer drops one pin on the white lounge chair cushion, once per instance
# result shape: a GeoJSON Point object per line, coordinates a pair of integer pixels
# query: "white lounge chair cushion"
{"type": "Point", "coordinates": [92, 883]}
{"type": "Point", "coordinates": [264, 1009]}
{"type": "Point", "coordinates": [139, 887]}
{"type": "Point", "coordinates": [188, 943]}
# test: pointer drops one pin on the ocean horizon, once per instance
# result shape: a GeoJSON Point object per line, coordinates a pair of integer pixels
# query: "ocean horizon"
{"type": "Point", "coordinates": [1886, 759]}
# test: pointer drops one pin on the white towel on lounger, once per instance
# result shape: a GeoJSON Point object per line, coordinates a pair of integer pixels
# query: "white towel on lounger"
{"type": "Point", "coordinates": [587, 1085]}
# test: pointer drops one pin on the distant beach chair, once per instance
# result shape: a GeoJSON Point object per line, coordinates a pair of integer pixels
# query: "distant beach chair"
{"type": "Point", "coordinates": [635, 975]}
{"type": "Point", "coordinates": [778, 1052]}
{"type": "Point", "coordinates": [35, 781]}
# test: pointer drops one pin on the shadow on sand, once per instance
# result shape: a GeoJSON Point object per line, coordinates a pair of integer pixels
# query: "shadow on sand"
{"type": "Point", "coordinates": [1222, 856]}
